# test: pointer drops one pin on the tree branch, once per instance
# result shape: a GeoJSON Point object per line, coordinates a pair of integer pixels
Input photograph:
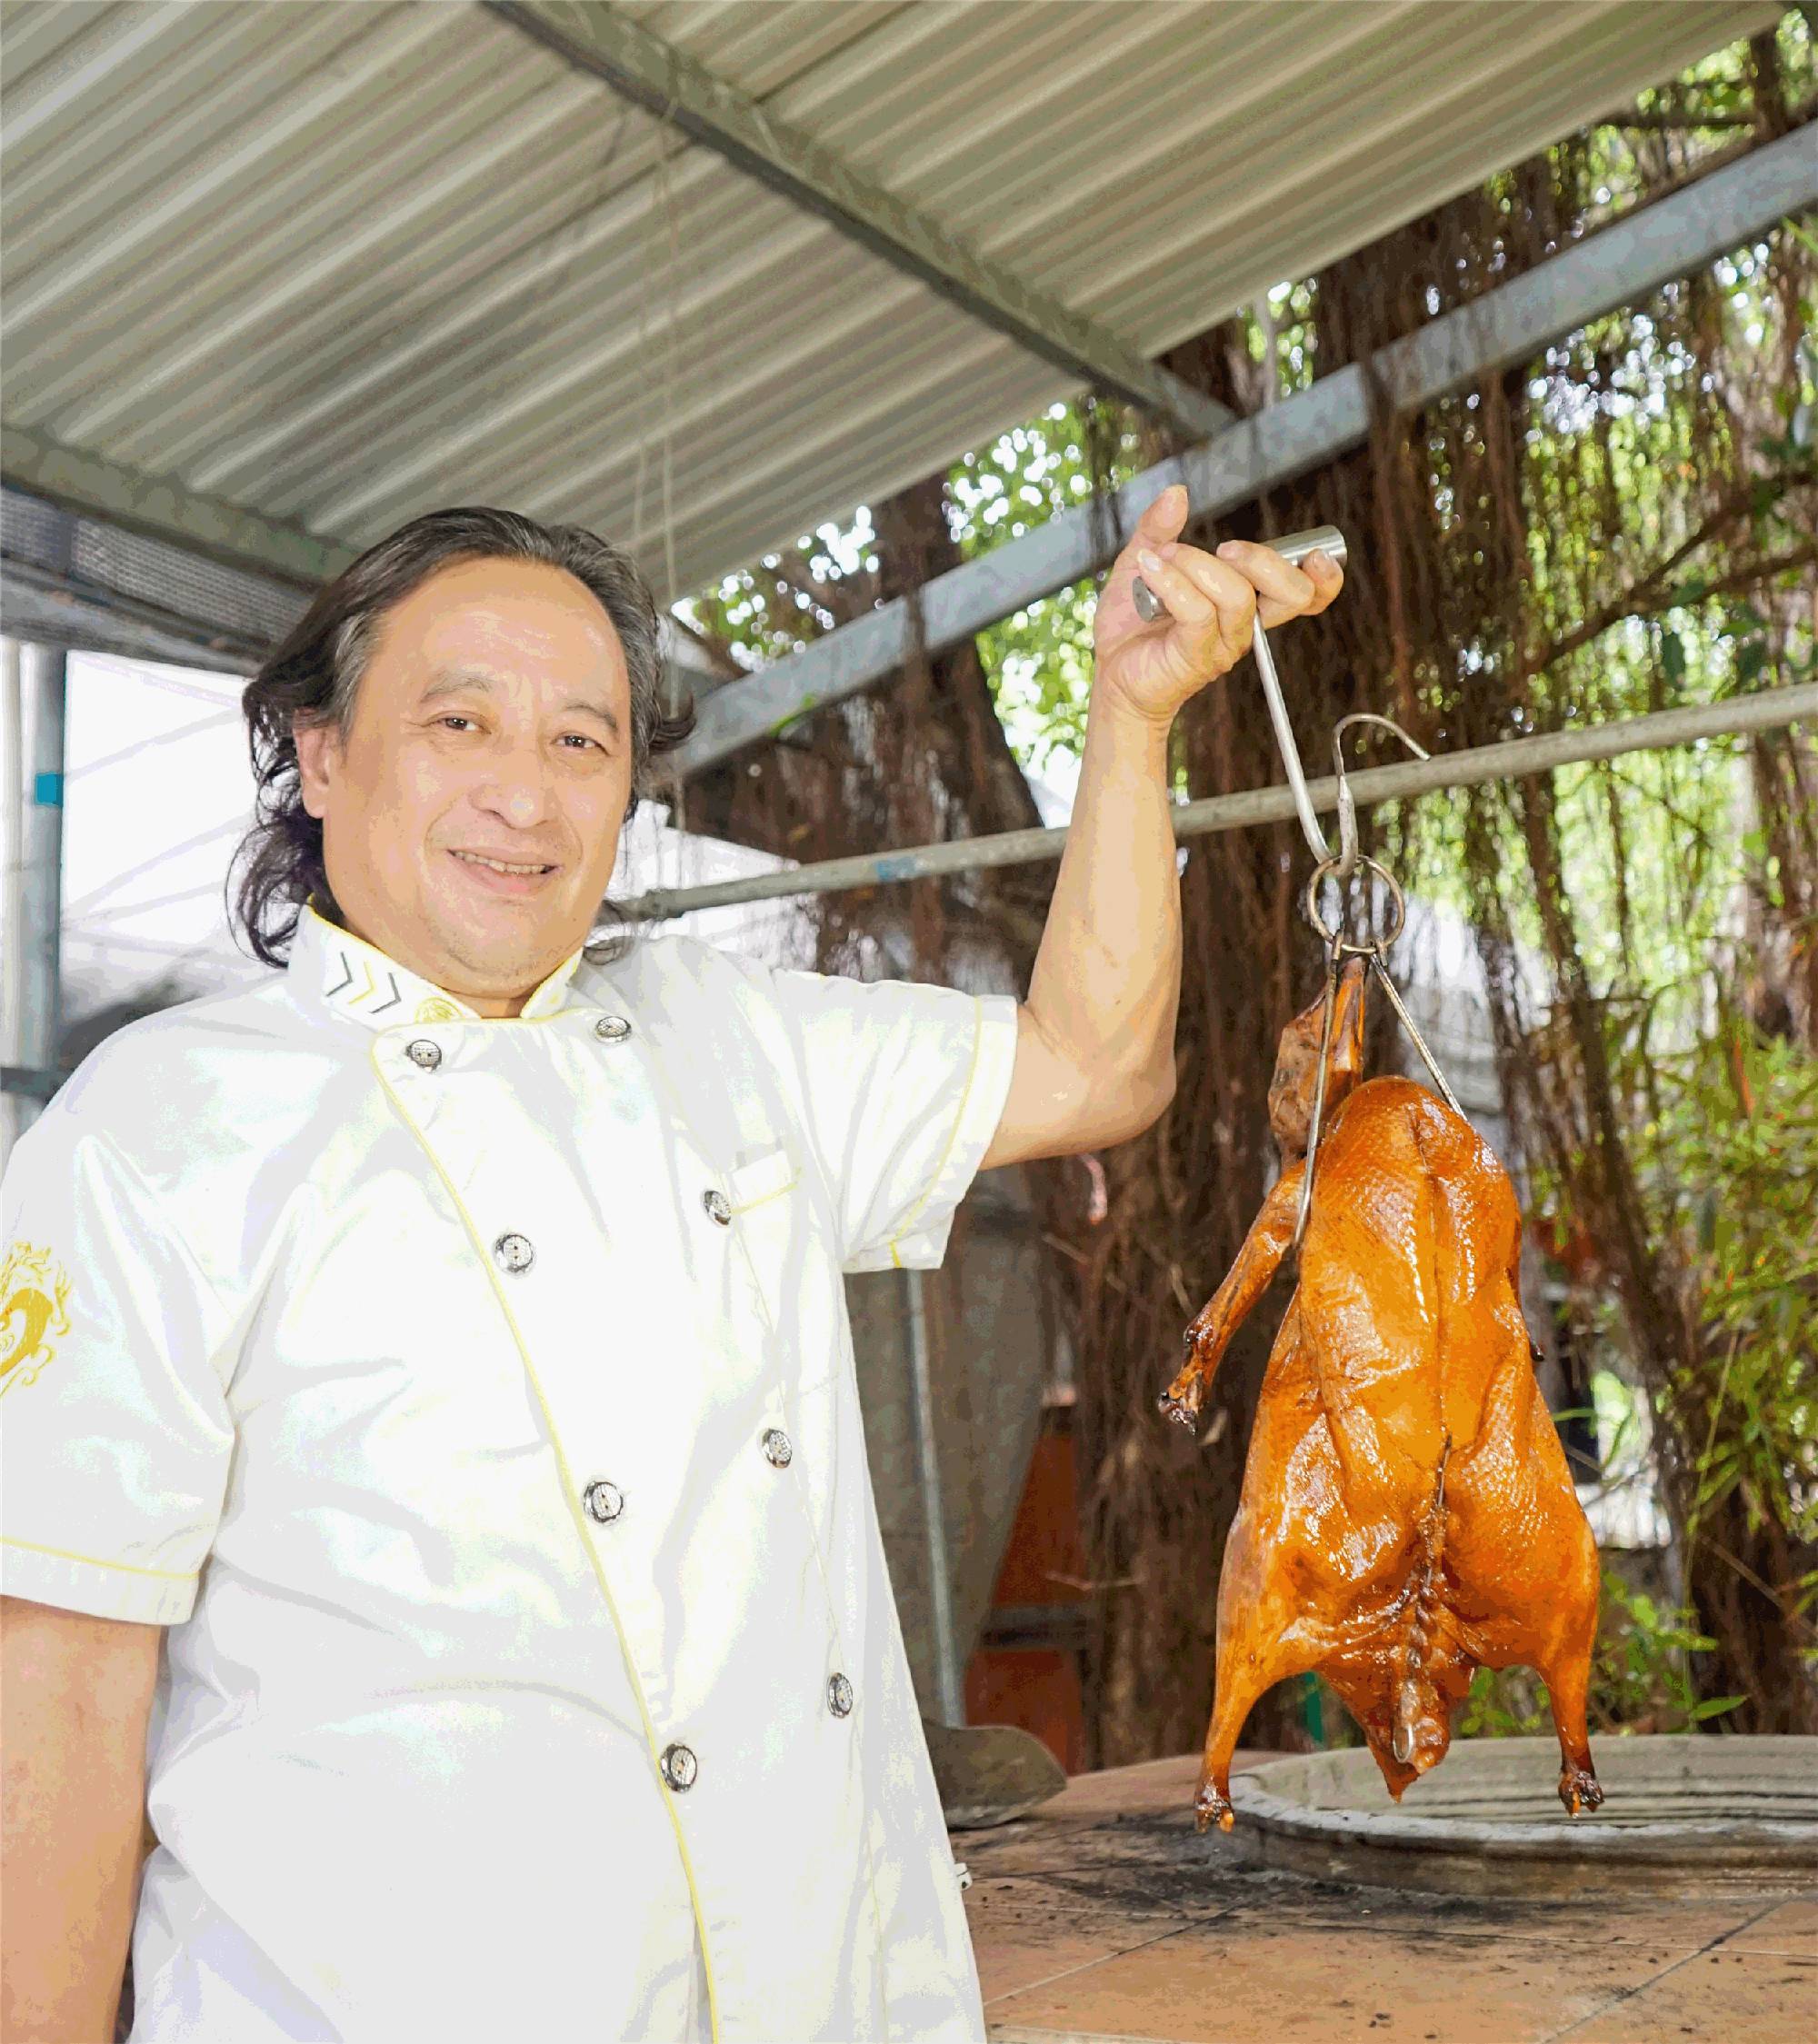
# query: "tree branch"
{"type": "Point", "coordinates": [840, 600]}
{"type": "Point", "coordinates": [1652, 593]}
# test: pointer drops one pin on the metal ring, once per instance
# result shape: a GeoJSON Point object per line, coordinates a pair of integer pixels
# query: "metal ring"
{"type": "Point", "coordinates": [1328, 868]}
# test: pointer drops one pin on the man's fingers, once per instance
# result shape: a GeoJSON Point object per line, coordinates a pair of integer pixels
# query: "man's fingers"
{"type": "Point", "coordinates": [1273, 574]}
{"type": "Point", "coordinates": [1213, 604]}
{"type": "Point", "coordinates": [1187, 602]}
{"type": "Point", "coordinates": [1328, 579]}
{"type": "Point", "coordinates": [1323, 582]}
{"type": "Point", "coordinates": [1234, 592]}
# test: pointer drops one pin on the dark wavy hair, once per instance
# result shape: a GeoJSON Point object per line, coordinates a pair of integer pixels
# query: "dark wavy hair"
{"type": "Point", "coordinates": [314, 674]}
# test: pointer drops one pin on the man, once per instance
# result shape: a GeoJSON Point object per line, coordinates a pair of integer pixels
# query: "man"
{"type": "Point", "coordinates": [445, 1342]}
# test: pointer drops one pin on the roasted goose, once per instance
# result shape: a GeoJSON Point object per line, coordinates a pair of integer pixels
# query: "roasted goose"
{"type": "Point", "coordinates": [1407, 1515]}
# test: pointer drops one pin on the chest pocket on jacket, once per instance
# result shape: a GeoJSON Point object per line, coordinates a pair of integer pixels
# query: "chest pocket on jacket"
{"type": "Point", "coordinates": [767, 1221]}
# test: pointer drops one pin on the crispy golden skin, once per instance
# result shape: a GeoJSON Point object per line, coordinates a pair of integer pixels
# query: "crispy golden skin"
{"type": "Point", "coordinates": [1407, 1515]}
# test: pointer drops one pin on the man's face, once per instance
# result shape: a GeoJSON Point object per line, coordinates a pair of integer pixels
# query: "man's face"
{"type": "Point", "coordinates": [495, 718]}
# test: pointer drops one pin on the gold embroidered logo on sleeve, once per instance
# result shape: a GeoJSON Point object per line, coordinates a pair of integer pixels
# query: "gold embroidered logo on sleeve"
{"type": "Point", "coordinates": [34, 1300]}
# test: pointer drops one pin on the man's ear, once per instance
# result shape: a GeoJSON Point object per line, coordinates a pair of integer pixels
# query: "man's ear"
{"type": "Point", "coordinates": [318, 753]}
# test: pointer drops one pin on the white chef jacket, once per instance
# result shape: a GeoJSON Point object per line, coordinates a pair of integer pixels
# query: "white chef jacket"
{"type": "Point", "coordinates": [474, 1401]}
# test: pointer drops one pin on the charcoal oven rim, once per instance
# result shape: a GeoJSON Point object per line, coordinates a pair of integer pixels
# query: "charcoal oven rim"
{"type": "Point", "coordinates": [1589, 1853]}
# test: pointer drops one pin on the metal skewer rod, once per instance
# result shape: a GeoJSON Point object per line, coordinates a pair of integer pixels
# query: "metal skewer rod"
{"type": "Point", "coordinates": [1285, 743]}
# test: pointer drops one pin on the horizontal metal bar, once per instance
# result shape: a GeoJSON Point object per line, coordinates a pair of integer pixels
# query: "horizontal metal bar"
{"type": "Point", "coordinates": [1013, 1626]}
{"type": "Point", "coordinates": [1620, 263]}
{"type": "Point", "coordinates": [1511, 760]}
{"type": "Point", "coordinates": [666, 82]}
{"type": "Point", "coordinates": [30, 1079]}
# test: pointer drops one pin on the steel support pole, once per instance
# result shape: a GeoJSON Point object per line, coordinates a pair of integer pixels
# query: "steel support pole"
{"type": "Point", "coordinates": [38, 967]}
{"type": "Point", "coordinates": [13, 1114]}
{"type": "Point", "coordinates": [949, 1677]}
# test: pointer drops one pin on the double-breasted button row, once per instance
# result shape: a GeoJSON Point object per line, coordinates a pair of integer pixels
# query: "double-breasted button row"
{"type": "Point", "coordinates": [604, 1501]}
{"type": "Point", "coordinates": [681, 1769]}
{"type": "Point", "coordinates": [426, 1053]}
{"type": "Point", "coordinates": [514, 1252]}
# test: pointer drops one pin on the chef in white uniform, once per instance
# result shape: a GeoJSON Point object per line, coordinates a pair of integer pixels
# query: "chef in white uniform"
{"type": "Point", "coordinates": [446, 1341]}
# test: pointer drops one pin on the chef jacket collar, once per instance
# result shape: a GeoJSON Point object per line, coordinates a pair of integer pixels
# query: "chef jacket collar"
{"type": "Point", "coordinates": [358, 980]}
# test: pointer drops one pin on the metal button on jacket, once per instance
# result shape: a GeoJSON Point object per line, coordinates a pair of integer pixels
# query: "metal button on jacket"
{"type": "Point", "coordinates": [420, 1050]}
{"type": "Point", "coordinates": [604, 1500]}
{"type": "Point", "coordinates": [776, 1448]}
{"type": "Point", "coordinates": [678, 1767]}
{"type": "Point", "coordinates": [839, 1696]}
{"type": "Point", "coordinates": [718, 1206]}
{"type": "Point", "coordinates": [513, 1252]}
{"type": "Point", "coordinates": [611, 1029]}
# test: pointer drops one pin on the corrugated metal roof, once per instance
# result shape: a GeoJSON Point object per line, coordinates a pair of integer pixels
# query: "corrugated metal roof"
{"type": "Point", "coordinates": [335, 264]}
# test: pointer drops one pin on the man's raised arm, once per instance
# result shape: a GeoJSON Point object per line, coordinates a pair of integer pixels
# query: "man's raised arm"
{"type": "Point", "coordinates": [1095, 1039]}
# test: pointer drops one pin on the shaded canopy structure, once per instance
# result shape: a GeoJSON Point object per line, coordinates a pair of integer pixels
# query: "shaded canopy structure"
{"type": "Point", "coordinates": [705, 276]}
{"type": "Point", "coordinates": [250, 312]}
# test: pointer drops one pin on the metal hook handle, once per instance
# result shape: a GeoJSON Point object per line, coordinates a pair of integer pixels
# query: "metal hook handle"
{"type": "Point", "coordinates": [1292, 547]}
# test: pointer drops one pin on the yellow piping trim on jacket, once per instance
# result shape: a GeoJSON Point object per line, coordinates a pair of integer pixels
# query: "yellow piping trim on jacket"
{"type": "Point", "coordinates": [953, 1133]}
{"type": "Point", "coordinates": [763, 1199]}
{"type": "Point", "coordinates": [129, 1567]}
{"type": "Point", "coordinates": [572, 1498]}
{"type": "Point", "coordinates": [743, 1248]}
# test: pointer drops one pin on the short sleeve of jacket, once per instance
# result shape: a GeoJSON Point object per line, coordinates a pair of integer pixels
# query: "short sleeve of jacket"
{"type": "Point", "coordinates": [904, 1086]}
{"type": "Point", "coordinates": [115, 1430]}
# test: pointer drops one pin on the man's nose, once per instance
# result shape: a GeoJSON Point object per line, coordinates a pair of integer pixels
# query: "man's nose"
{"type": "Point", "coordinates": [518, 784]}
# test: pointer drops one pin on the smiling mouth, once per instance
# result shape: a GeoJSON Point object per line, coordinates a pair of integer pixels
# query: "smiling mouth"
{"type": "Point", "coordinates": [516, 868]}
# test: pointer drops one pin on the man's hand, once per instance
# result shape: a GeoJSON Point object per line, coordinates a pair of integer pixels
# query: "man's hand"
{"type": "Point", "coordinates": [1214, 603]}
{"type": "Point", "coordinates": [1095, 1039]}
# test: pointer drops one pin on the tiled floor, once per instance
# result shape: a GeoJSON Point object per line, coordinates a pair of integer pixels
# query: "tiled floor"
{"type": "Point", "coordinates": [1103, 1915]}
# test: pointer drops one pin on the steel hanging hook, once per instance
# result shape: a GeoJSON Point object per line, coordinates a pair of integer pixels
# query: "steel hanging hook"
{"type": "Point", "coordinates": [1347, 803]}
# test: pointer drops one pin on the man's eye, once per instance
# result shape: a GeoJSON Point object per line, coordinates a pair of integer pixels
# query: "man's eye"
{"type": "Point", "coordinates": [583, 737]}
{"type": "Point", "coordinates": [454, 717]}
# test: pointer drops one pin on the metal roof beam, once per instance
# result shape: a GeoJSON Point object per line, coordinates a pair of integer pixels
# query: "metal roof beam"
{"type": "Point", "coordinates": [1622, 262]}
{"type": "Point", "coordinates": [49, 610]}
{"type": "Point", "coordinates": [665, 82]}
{"type": "Point", "coordinates": [212, 526]}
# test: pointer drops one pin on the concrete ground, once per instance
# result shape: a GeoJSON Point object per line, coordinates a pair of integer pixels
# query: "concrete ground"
{"type": "Point", "coordinates": [1103, 1915]}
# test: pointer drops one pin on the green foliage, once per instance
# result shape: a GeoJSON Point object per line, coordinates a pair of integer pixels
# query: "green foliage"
{"type": "Point", "coordinates": [768, 612]}
{"type": "Point", "coordinates": [1038, 661]}
{"type": "Point", "coordinates": [1731, 1160]}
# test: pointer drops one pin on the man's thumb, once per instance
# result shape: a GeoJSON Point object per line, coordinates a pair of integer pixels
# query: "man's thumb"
{"type": "Point", "coordinates": [1164, 517]}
